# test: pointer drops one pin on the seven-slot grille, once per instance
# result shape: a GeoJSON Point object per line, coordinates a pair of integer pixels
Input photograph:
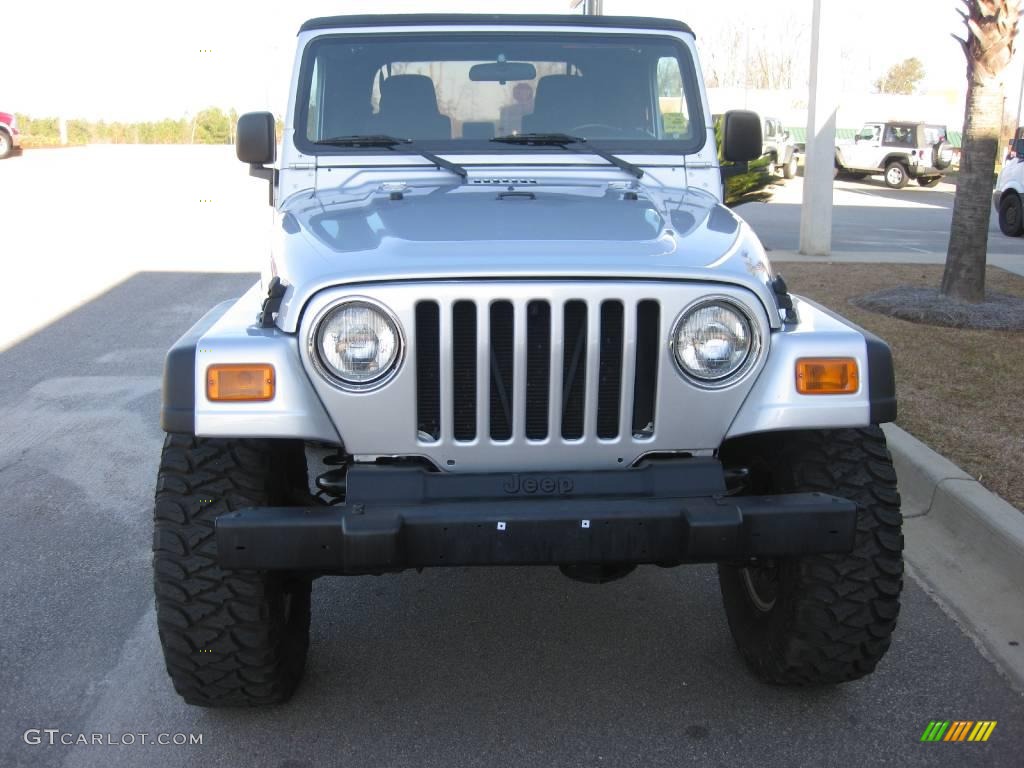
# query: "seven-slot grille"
{"type": "Point", "coordinates": [533, 370]}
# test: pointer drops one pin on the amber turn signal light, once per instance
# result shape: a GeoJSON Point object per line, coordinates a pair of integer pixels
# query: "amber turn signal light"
{"type": "Point", "coordinates": [240, 382]}
{"type": "Point", "coordinates": [827, 376]}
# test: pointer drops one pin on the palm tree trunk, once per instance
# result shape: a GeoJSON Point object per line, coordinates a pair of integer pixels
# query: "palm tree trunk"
{"type": "Point", "coordinates": [964, 277]}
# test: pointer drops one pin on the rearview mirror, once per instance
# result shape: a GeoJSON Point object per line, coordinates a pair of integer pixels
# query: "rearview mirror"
{"type": "Point", "coordinates": [255, 141]}
{"type": "Point", "coordinates": [502, 72]}
{"type": "Point", "coordinates": [741, 136]}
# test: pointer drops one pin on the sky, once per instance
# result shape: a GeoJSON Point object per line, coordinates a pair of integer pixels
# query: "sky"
{"type": "Point", "coordinates": [120, 60]}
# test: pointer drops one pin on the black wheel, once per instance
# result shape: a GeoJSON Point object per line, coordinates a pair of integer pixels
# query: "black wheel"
{"type": "Point", "coordinates": [230, 638]}
{"type": "Point", "coordinates": [790, 168]}
{"type": "Point", "coordinates": [896, 175]}
{"type": "Point", "coordinates": [820, 619]}
{"type": "Point", "coordinates": [929, 181]}
{"type": "Point", "coordinates": [1011, 215]}
{"type": "Point", "coordinates": [6, 145]}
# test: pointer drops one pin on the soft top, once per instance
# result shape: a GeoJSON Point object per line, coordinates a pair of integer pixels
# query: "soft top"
{"type": "Point", "coordinates": [509, 19]}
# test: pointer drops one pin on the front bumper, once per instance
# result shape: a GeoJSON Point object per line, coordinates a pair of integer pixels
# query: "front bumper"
{"type": "Point", "coordinates": [664, 512]}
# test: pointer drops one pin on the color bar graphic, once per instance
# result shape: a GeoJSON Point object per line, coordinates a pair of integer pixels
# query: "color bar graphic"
{"type": "Point", "coordinates": [958, 730]}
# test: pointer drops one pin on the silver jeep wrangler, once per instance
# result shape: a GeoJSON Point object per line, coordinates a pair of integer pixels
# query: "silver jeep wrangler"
{"type": "Point", "coordinates": [506, 320]}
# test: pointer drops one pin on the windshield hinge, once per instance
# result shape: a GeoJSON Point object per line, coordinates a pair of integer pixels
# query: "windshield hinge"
{"type": "Point", "coordinates": [302, 166]}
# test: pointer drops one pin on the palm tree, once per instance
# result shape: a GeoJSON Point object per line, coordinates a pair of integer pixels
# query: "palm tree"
{"type": "Point", "coordinates": [991, 29]}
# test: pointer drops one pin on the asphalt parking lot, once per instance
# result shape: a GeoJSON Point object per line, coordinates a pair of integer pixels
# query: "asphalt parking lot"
{"type": "Point", "coordinates": [115, 252]}
{"type": "Point", "coordinates": [871, 218]}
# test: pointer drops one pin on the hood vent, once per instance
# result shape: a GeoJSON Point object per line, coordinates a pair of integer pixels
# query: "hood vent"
{"type": "Point", "coordinates": [503, 181]}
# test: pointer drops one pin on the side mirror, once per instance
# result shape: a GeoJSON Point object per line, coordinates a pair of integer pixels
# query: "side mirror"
{"type": "Point", "coordinates": [256, 144]}
{"type": "Point", "coordinates": [741, 136]}
{"type": "Point", "coordinates": [255, 141]}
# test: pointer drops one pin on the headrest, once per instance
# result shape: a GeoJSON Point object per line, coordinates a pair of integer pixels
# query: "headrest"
{"type": "Point", "coordinates": [553, 89]}
{"type": "Point", "coordinates": [408, 91]}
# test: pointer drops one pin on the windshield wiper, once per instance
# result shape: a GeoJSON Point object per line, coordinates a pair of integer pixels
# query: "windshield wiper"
{"type": "Point", "coordinates": [391, 142]}
{"type": "Point", "coordinates": [564, 140]}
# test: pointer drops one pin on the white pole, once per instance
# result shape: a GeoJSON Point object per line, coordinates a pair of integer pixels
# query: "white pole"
{"type": "Point", "coordinates": [822, 105]}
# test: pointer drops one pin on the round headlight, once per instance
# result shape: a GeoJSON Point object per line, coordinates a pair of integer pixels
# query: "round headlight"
{"type": "Point", "coordinates": [713, 341]}
{"type": "Point", "coordinates": [358, 343]}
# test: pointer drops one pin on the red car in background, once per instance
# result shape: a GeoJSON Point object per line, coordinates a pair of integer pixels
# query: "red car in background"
{"type": "Point", "coordinates": [10, 138]}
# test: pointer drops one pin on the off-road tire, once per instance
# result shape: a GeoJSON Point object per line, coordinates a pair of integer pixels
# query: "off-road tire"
{"type": "Point", "coordinates": [1011, 215]}
{"type": "Point", "coordinates": [230, 638]}
{"type": "Point", "coordinates": [896, 176]}
{"type": "Point", "coordinates": [929, 181]}
{"type": "Point", "coordinates": [832, 616]}
{"type": "Point", "coordinates": [6, 145]}
{"type": "Point", "coordinates": [790, 168]}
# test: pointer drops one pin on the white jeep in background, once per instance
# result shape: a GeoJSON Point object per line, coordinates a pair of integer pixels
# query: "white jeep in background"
{"type": "Point", "coordinates": [899, 151]}
{"type": "Point", "coordinates": [779, 148]}
{"type": "Point", "coordinates": [505, 319]}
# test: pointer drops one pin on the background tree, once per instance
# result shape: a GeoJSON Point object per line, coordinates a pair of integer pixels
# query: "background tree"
{"type": "Point", "coordinates": [902, 77]}
{"type": "Point", "coordinates": [991, 30]}
{"type": "Point", "coordinates": [212, 126]}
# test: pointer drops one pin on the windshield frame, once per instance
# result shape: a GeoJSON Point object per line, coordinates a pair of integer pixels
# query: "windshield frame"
{"type": "Point", "coordinates": [692, 92]}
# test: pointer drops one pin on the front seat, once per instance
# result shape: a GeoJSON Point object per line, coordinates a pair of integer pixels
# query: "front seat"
{"type": "Point", "coordinates": [558, 105]}
{"type": "Point", "coordinates": [408, 109]}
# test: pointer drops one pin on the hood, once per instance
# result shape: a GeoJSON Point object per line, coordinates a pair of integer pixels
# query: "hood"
{"type": "Point", "coordinates": [472, 231]}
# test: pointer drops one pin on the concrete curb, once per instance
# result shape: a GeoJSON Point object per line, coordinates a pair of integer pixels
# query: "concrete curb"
{"type": "Point", "coordinates": [966, 545]}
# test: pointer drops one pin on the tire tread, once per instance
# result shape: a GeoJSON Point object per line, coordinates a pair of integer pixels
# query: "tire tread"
{"type": "Point", "coordinates": [226, 641]}
{"type": "Point", "coordinates": [840, 610]}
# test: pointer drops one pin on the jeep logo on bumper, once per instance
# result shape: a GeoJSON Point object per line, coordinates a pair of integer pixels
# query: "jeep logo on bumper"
{"type": "Point", "coordinates": [544, 486]}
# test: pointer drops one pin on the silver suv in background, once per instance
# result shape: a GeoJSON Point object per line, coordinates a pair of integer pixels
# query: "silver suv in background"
{"type": "Point", "coordinates": [899, 151]}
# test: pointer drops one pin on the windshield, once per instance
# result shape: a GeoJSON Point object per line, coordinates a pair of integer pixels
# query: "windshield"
{"type": "Point", "coordinates": [455, 92]}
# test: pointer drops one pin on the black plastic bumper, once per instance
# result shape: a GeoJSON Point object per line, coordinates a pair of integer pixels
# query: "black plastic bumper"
{"type": "Point", "coordinates": [667, 513]}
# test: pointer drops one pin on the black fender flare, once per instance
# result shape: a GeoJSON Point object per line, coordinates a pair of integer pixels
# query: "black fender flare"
{"type": "Point", "coordinates": [899, 157]}
{"type": "Point", "coordinates": [178, 405]}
